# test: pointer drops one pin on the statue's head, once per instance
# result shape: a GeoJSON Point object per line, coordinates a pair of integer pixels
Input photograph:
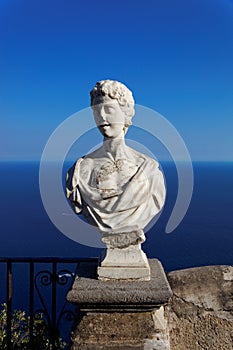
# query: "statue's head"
{"type": "Point", "coordinates": [106, 91]}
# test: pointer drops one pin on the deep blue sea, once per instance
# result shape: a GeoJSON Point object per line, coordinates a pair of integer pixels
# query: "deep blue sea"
{"type": "Point", "coordinates": [204, 237]}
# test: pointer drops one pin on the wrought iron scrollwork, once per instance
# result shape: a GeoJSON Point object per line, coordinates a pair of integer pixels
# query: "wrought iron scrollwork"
{"type": "Point", "coordinates": [43, 278]}
{"type": "Point", "coordinates": [43, 300]}
{"type": "Point", "coordinates": [47, 278]}
{"type": "Point", "coordinates": [68, 314]}
{"type": "Point", "coordinates": [63, 277]}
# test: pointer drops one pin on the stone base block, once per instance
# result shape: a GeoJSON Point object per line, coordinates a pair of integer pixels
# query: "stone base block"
{"type": "Point", "coordinates": [125, 264]}
{"type": "Point", "coordinates": [120, 315]}
{"type": "Point", "coordinates": [121, 273]}
{"type": "Point", "coordinates": [89, 293]}
{"type": "Point", "coordinates": [122, 331]}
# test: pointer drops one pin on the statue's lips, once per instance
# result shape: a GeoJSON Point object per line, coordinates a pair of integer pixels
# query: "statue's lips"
{"type": "Point", "coordinates": [103, 125]}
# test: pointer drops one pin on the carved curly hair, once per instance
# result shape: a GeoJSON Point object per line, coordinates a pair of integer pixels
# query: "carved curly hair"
{"type": "Point", "coordinates": [115, 90]}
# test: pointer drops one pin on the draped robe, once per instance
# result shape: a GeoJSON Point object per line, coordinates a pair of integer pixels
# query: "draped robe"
{"type": "Point", "coordinates": [117, 195]}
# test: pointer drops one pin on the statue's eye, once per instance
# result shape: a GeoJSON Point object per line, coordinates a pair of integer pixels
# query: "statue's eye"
{"type": "Point", "coordinates": [109, 109]}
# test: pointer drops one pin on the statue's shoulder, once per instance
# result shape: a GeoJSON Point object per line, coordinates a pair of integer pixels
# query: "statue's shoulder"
{"type": "Point", "coordinates": [86, 160]}
{"type": "Point", "coordinates": [89, 162]}
{"type": "Point", "coordinates": [91, 159]}
{"type": "Point", "coordinates": [94, 155]}
{"type": "Point", "coordinates": [83, 166]}
{"type": "Point", "coordinates": [73, 171]}
{"type": "Point", "coordinates": [145, 160]}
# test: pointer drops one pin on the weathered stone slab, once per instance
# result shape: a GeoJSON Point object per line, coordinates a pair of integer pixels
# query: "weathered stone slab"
{"type": "Point", "coordinates": [201, 310]}
{"type": "Point", "coordinates": [209, 287]}
{"type": "Point", "coordinates": [89, 292]}
{"type": "Point", "coordinates": [122, 331]}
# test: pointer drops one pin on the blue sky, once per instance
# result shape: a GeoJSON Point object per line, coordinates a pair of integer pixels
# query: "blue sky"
{"type": "Point", "coordinates": [176, 56]}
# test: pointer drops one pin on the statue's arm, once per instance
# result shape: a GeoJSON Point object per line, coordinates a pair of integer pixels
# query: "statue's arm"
{"type": "Point", "coordinates": [158, 189]}
{"type": "Point", "coordinates": [72, 187]}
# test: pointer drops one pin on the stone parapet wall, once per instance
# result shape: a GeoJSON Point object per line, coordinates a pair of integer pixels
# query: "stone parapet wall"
{"type": "Point", "coordinates": [188, 309]}
{"type": "Point", "coordinates": [200, 314]}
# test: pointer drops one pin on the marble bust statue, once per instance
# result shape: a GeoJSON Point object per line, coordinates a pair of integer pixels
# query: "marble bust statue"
{"type": "Point", "coordinates": [116, 188]}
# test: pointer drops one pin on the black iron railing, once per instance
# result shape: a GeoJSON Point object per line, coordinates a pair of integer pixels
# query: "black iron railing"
{"type": "Point", "coordinates": [52, 276]}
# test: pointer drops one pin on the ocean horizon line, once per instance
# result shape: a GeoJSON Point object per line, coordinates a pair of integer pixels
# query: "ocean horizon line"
{"type": "Point", "coordinates": [73, 160]}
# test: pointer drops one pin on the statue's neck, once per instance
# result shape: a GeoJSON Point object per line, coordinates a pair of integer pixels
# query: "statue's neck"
{"type": "Point", "coordinates": [115, 148]}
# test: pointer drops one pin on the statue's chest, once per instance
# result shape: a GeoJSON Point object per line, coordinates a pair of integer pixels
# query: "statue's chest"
{"type": "Point", "coordinates": [109, 177]}
{"type": "Point", "coordinates": [114, 174]}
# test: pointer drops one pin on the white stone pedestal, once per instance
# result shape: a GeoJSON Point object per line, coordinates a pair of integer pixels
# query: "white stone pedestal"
{"type": "Point", "coordinates": [124, 263]}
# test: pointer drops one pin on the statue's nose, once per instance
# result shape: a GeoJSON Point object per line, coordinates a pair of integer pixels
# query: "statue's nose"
{"type": "Point", "coordinates": [102, 113]}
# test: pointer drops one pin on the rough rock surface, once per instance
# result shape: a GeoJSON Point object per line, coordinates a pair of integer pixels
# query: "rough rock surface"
{"type": "Point", "coordinates": [201, 310]}
{"type": "Point", "coordinates": [199, 316]}
{"type": "Point", "coordinates": [91, 292]}
{"type": "Point", "coordinates": [98, 335]}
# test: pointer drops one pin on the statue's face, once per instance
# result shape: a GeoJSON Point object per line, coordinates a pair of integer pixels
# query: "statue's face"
{"type": "Point", "coordinates": [109, 117]}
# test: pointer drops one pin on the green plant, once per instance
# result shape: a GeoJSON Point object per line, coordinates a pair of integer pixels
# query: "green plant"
{"type": "Point", "coordinates": [20, 331]}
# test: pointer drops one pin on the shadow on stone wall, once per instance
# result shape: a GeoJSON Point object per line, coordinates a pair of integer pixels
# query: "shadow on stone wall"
{"type": "Point", "coordinates": [201, 310]}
